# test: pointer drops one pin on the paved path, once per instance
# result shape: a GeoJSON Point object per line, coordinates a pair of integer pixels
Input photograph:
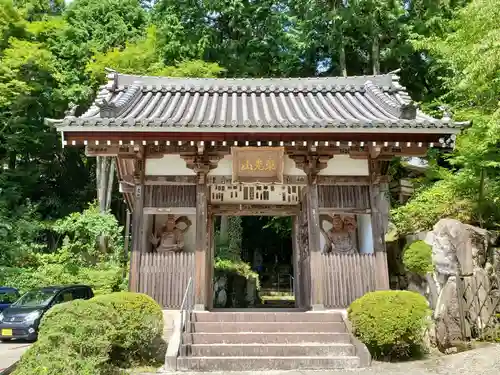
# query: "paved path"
{"type": "Point", "coordinates": [11, 352]}
{"type": "Point", "coordinates": [483, 361]}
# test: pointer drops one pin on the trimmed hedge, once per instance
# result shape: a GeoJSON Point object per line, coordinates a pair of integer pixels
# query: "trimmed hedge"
{"type": "Point", "coordinates": [138, 321]}
{"type": "Point", "coordinates": [390, 323]}
{"type": "Point", "coordinates": [417, 258]}
{"type": "Point", "coordinates": [94, 337]}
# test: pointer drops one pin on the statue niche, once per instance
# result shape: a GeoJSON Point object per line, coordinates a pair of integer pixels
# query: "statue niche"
{"type": "Point", "coordinates": [341, 237]}
{"type": "Point", "coordinates": [170, 237]}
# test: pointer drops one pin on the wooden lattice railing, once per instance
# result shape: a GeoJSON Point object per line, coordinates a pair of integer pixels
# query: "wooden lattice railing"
{"type": "Point", "coordinates": [347, 277]}
{"type": "Point", "coordinates": [165, 277]}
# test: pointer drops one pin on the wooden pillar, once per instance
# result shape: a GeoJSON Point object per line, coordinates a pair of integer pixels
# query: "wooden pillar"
{"type": "Point", "coordinates": [317, 279]}
{"type": "Point", "coordinates": [379, 195]}
{"type": "Point", "coordinates": [200, 281]}
{"type": "Point", "coordinates": [137, 224]}
{"type": "Point", "coordinates": [297, 265]}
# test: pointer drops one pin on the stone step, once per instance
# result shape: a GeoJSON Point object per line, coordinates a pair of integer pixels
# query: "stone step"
{"type": "Point", "coordinates": [264, 327]}
{"type": "Point", "coordinates": [269, 350]}
{"type": "Point", "coordinates": [265, 316]}
{"type": "Point", "coordinates": [266, 338]}
{"type": "Point", "coordinates": [265, 363]}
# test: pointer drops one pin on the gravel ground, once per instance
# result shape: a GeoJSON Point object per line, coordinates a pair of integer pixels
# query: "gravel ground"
{"type": "Point", "coordinates": [481, 361]}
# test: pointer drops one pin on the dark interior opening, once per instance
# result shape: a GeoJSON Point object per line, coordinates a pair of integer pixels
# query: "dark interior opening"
{"type": "Point", "coordinates": [254, 264]}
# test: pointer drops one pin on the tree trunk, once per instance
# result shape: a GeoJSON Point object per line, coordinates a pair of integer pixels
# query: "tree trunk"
{"type": "Point", "coordinates": [376, 54]}
{"type": "Point", "coordinates": [111, 177]}
{"type": "Point", "coordinates": [480, 198]}
{"type": "Point", "coordinates": [224, 226]}
{"type": "Point", "coordinates": [338, 6]}
{"type": "Point", "coordinates": [105, 171]}
{"type": "Point", "coordinates": [342, 62]}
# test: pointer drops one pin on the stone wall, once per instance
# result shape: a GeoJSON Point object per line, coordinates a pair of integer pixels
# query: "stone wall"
{"type": "Point", "coordinates": [466, 276]}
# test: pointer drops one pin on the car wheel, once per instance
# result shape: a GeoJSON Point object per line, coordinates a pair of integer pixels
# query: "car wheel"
{"type": "Point", "coordinates": [5, 340]}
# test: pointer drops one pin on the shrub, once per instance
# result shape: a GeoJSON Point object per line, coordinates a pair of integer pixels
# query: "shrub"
{"type": "Point", "coordinates": [74, 338]}
{"type": "Point", "coordinates": [138, 322]}
{"type": "Point", "coordinates": [390, 323]}
{"type": "Point", "coordinates": [94, 337]}
{"type": "Point", "coordinates": [417, 258]}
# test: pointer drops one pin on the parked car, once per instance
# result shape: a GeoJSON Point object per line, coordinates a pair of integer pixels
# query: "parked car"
{"type": "Point", "coordinates": [8, 296]}
{"type": "Point", "coordinates": [22, 319]}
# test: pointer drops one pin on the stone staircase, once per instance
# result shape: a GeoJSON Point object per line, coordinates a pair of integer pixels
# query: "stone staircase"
{"type": "Point", "coordinates": [254, 341]}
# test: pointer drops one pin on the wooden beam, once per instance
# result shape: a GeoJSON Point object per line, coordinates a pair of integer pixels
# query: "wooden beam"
{"type": "Point", "coordinates": [201, 263]}
{"type": "Point", "coordinates": [125, 151]}
{"type": "Point", "coordinates": [170, 180]}
{"type": "Point", "coordinates": [343, 180]}
{"type": "Point", "coordinates": [317, 302]}
{"type": "Point", "coordinates": [170, 211]}
{"type": "Point", "coordinates": [126, 188]}
{"type": "Point", "coordinates": [116, 134]}
{"type": "Point", "coordinates": [379, 196]}
{"type": "Point", "coordinates": [254, 210]}
{"type": "Point", "coordinates": [347, 210]}
{"type": "Point", "coordinates": [137, 224]}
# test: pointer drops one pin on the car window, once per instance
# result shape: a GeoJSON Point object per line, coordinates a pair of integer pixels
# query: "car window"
{"type": "Point", "coordinates": [80, 293]}
{"type": "Point", "coordinates": [36, 298]}
{"type": "Point", "coordinates": [8, 297]}
{"type": "Point", "coordinates": [64, 296]}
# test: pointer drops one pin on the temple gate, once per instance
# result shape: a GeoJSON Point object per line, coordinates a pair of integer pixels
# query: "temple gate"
{"type": "Point", "coordinates": [316, 149]}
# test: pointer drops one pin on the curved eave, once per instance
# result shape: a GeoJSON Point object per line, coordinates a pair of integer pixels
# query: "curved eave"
{"type": "Point", "coordinates": [405, 126]}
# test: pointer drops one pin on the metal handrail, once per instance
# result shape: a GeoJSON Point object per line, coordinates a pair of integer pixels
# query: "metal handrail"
{"type": "Point", "coordinates": [186, 307]}
{"type": "Point", "coordinates": [290, 279]}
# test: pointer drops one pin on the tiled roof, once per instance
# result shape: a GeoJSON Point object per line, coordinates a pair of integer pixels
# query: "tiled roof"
{"type": "Point", "coordinates": [165, 103]}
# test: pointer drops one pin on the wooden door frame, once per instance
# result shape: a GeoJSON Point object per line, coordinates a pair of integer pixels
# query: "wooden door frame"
{"type": "Point", "coordinates": [292, 211]}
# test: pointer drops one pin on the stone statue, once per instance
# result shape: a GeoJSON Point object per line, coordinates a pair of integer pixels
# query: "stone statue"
{"type": "Point", "coordinates": [341, 238]}
{"type": "Point", "coordinates": [169, 237]}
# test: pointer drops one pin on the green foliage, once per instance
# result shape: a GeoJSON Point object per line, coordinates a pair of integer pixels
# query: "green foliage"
{"type": "Point", "coordinates": [75, 338]}
{"type": "Point", "coordinates": [390, 323]}
{"type": "Point", "coordinates": [138, 322]}
{"type": "Point", "coordinates": [466, 52]}
{"type": "Point", "coordinates": [104, 24]}
{"type": "Point", "coordinates": [228, 255]}
{"type": "Point", "coordinates": [19, 236]}
{"type": "Point", "coordinates": [95, 336]}
{"type": "Point", "coordinates": [417, 258]}
{"type": "Point", "coordinates": [143, 57]}
{"type": "Point", "coordinates": [103, 278]}
{"type": "Point", "coordinates": [78, 260]}
{"type": "Point", "coordinates": [491, 333]}
{"type": "Point", "coordinates": [237, 267]}
{"type": "Point", "coordinates": [451, 197]}
{"type": "Point", "coordinates": [81, 234]}
{"type": "Point", "coordinates": [282, 226]}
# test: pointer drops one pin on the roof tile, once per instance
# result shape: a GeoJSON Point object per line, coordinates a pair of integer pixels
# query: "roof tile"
{"type": "Point", "coordinates": [331, 102]}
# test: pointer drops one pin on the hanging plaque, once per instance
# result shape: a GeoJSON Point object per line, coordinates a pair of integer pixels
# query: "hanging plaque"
{"type": "Point", "coordinates": [258, 164]}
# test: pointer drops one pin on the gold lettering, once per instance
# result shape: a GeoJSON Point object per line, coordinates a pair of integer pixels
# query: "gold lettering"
{"type": "Point", "coordinates": [270, 165]}
{"type": "Point", "coordinates": [259, 165]}
{"type": "Point", "coordinates": [246, 166]}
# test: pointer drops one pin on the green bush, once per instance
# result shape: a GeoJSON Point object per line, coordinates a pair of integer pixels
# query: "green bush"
{"type": "Point", "coordinates": [417, 258]}
{"type": "Point", "coordinates": [74, 338]}
{"type": "Point", "coordinates": [390, 323]}
{"type": "Point", "coordinates": [103, 278]}
{"type": "Point", "coordinates": [138, 322]}
{"type": "Point", "coordinates": [95, 337]}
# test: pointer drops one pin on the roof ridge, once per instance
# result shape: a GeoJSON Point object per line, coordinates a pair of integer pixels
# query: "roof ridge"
{"type": "Point", "coordinates": [407, 111]}
{"type": "Point", "coordinates": [116, 75]}
{"type": "Point", "coordinates": [119, 104]}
